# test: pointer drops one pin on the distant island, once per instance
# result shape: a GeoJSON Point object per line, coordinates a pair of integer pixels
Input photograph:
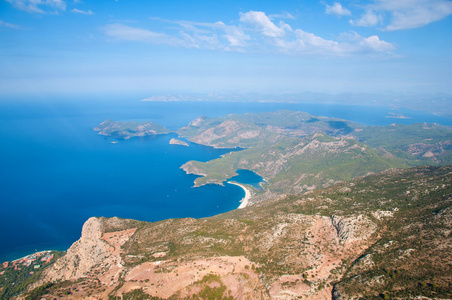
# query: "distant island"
{"type": "Point", "coordinates": [397, 116]}
{"type": "Point", "coordinates": [127, 130]}
{"type": "Point", "coordinates": [438, 104]}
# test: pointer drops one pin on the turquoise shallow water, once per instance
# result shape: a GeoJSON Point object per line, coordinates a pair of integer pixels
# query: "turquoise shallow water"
{"type": "Point", "coordinates": [248, 177]}
{"type": "Point", "coordinates": [55, 172]}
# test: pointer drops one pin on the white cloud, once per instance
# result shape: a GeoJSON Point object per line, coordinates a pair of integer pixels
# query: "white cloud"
{"type": "Point", "coordinates": [39, 6]}
{"type": "Point", "coordinates": [337, 9]}
{"type": "Point", "coordinates": [373, 43]}
{"type": "Point", "coordinates": [234, 35]}
{"type": "Point", "coordinates": [124, 32]}
{"type": "Point", "coordinates": [83, 12]}
{"type": "Point", "coordinates": [261, 22]}
{"type": "Point", "coordinates": [285, 15]}
{"type": "Point", "coordinates": [203, 32]}
{"type": "Point", "coordinates": [267, 38]}
{"type": "Point", "coordinates": [367, 19]}
{"type": "Point", "coordinates": [9, 25]}
{"type": "Point", "coordinates": [309, 43]}
{"type": "Point", "coordinates": [190, 37]}
{"type": "Point", "coordinates": [416, 13]}
{"type": "Point", "coordinates": [405, 14]}
{"type": "Point", "coordinates": [352, 43]}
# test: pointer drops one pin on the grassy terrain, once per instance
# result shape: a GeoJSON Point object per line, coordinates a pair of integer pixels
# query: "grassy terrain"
{"type": "Point", "coordinates": [411, 142]}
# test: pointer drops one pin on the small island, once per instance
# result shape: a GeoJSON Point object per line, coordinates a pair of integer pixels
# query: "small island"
{"type": "Point", "coordinates": [178, 142]}
{"type": "Point", "coordinates": [397, 116]}
{"type": "Point", "coordinates": [127, 130]}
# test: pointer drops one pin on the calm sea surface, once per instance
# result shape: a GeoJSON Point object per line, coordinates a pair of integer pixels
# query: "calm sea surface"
{"type": "Point", "coordinates": [55, 172]}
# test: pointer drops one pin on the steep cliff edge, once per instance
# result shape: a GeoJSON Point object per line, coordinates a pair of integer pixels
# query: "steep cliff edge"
{"type": "Point", "coordinates": [84, 254]}
{"type": "Point", "coordinates": [95, 249]}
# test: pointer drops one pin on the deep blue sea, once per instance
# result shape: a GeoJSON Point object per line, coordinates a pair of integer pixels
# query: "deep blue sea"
{"type": "Point", "coordinates": [55, 172]}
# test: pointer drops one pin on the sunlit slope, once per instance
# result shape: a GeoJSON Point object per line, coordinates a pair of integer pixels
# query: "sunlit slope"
{"type": "Point", "coordinates": [296, 151]}
{"type": "Point", "coordinates": [418, 144]}
{"type": "Point", "coordinates": [297, 165]}
{"type": "Point", "coordinates": [383, 235]}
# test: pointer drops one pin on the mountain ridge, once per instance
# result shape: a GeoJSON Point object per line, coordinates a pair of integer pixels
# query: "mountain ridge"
{"type": "Point", "coordinates": [314, 245]}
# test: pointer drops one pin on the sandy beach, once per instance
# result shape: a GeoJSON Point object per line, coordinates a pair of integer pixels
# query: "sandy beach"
{"type": "Point", "coordinates": [244, 201]}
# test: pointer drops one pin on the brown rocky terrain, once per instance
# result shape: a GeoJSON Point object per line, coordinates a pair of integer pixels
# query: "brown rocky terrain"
{"type": "Point", "coordinates": [382, 235]}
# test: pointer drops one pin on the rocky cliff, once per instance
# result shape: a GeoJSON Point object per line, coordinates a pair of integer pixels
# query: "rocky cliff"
{"type": "Point", "coordinates": [95, 250]}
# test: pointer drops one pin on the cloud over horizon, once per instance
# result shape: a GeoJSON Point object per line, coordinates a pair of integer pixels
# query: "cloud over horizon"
{"type": "Point", "coordinates": [263, 24]}
{"type": "Point", "coordinates": [337, 9]}
{"type": "Point", "coordinates": [39, 6]}
{"type": "Point", "coordinates": [8, 25]}
{"type": "Point", "coordinates": [256, 32]}
{"type": "Point", "coordinates": [403, 14]}
{"type": "Point", "coordinates": [83, 12]}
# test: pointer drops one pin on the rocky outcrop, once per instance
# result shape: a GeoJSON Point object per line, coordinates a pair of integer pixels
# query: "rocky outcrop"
{"type": "Point", "coordinates": [178, 142]}
{"type": "Point", "coordinates": [190, 168]}
{"type": "Point", "coordinates": [342, 228]}
{"type": "Point", "coordinates": [352, 228]}
{"type": "Point", "coordinates": [93, 250]}
{"type": "Point", "coordinates": [90, 250]}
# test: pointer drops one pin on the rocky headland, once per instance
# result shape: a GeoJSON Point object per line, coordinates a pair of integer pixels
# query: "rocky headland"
{"type": "Point", "coordinates": [178, 142]}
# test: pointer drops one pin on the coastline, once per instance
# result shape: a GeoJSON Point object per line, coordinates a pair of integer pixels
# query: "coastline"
{"type": "Point", "coordinates": [244, 201]}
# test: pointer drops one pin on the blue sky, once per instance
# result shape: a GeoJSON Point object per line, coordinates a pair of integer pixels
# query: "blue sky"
{"type": "Point", "coordinates": [125, 47]}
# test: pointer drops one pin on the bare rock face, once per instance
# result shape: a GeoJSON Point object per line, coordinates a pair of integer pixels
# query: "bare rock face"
{"type": "Point", "coordinates": [190, 168]}
{"type": "Point", "coordinates": [178, 142]}
{"type": "Point", "coordinates": [198, 121]}
{"type": "Point", "coordinates": [352, 228]}
{"type": "Point", "coordinates": [93, 249]}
